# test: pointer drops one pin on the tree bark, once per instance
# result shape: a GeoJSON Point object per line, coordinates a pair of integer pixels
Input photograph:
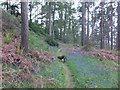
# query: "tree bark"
{"type": "Point", "coordinates": [108, 40]}
{"type": "Point", "coordinates": [30, 4]}
{"type": "Point", "coordinates": [50, 21]}
{"type": "Point", "coordinates": [118, 36]}
{"type": "Point", "coordinates": [61, 19]}
{"type": "Point", "coordinates": [47, 21]}
{"type": "Point", "coordinates": [24, 28]}
{"type": "Point", "coordinates": [65, 24]}
{"type": "Point", "coordinates": [101, 26]}
{"type": "Point", "coordinates": [73, 31]}
{"type": "Point", "coordinates": [111, 36]}
{"type": "Point", "coordinates": [88, 24]}
{"type": "Point", "coordinates": [53, 20]}
{"type": "Point", "coordinates": [111, 29]}
{"type": "Point", "coordinates": [83, 24]}
{"type": "Point", "coordinates": [7, 2]}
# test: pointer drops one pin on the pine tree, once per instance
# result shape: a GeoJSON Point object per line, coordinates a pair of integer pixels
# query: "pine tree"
{"type": "Point", "coordinates": [24, 29]}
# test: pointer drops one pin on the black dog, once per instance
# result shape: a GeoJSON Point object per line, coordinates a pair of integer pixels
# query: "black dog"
{"type": "Point", "coordinates": [62, 58]}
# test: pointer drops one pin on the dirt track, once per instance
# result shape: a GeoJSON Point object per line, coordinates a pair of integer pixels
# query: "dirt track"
{"type": "Point", "coordinates": [68, 77]}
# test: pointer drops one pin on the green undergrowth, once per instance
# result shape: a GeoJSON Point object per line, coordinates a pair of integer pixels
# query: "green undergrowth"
{"type": "Point", "coordinates": [10, 72]}
{"type": "Point", "coordinates": [51, 41]}
{"type": "Point", "coordinates": [53, 75]}
{"type": "Point", "coordinates": [8, 35]}
{"type": "Point", "coordinates": [118, 53]}
{"type": "Point", "coordinates": [35, 27]}
{"type": "Point", "coordinates": [55, 69]}
{"type": "Point", "coordinates": [110, 64]}
{"type": "Point", "coordinates": [89, 72]}
{"type": "Point", "coordinates": [37, 42]}
{"type": "Point", "coordinates": [10, 21]}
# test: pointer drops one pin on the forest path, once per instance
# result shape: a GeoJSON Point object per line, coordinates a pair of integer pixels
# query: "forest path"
{"type": "Point", "coordinates": [68, 74]}
{"type": "Point", "coordinates": [68, 77]}
{"type": "Point", "coordinates": [87, 71]}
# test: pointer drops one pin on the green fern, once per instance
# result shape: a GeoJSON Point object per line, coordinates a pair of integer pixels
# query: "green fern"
{"type": "Point", "coordinates": [8, 38]}
{"type": "Point", "coordinates": [117, 54]}
{"type": "Point", "coordinates": [20, 50]}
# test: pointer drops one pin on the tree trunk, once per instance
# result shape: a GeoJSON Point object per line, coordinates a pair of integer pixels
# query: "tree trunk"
{"type": "Point", "coordinates": [61, 19]}
{"type": "Point", "coordinates": [94, 34]}
{"type": "Point", "coordinates": [47, 21]}
{"type": "Point", "coordinates": [24, 31]}
{"type": "Point", "coordinates": [30, 4]}
{"type": "Point", "coordinates": [118, 37]}
{"type": "Point", "coordinates": [50, 21]}
{"type": "Point", "coordinates": [83, 24]}
{"type": "Point", "coordinates": [111, 27]}
{"type": "Point", "coordinates": [53, 20]}
{"type": "Point", "coordinates": [108, 40]}
{"type": "Point", "coordinates": [65, 25]}
{"type": "Point", "coordinates": [73, 31]}
{"type": "Point", "coordinates": [7, 5]}
{"type": "Point", "coordinates": [88, 24]}
{"type": "Point", "coordinates": [60, 34]}
{"type": "Point", "coordinates": [111, 36]}
{"type": "Point", "coordinates": [69, 24]}
{"type": "Point", "coordinates": [101, 26]}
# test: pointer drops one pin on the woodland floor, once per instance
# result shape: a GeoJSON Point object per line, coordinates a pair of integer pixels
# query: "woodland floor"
{"type": "Point", "coordinates": [81, 70]}
{"type": "Point", "coordinates": [68, 77]}
{"type": "Point", "coordinates": [88, 71]}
